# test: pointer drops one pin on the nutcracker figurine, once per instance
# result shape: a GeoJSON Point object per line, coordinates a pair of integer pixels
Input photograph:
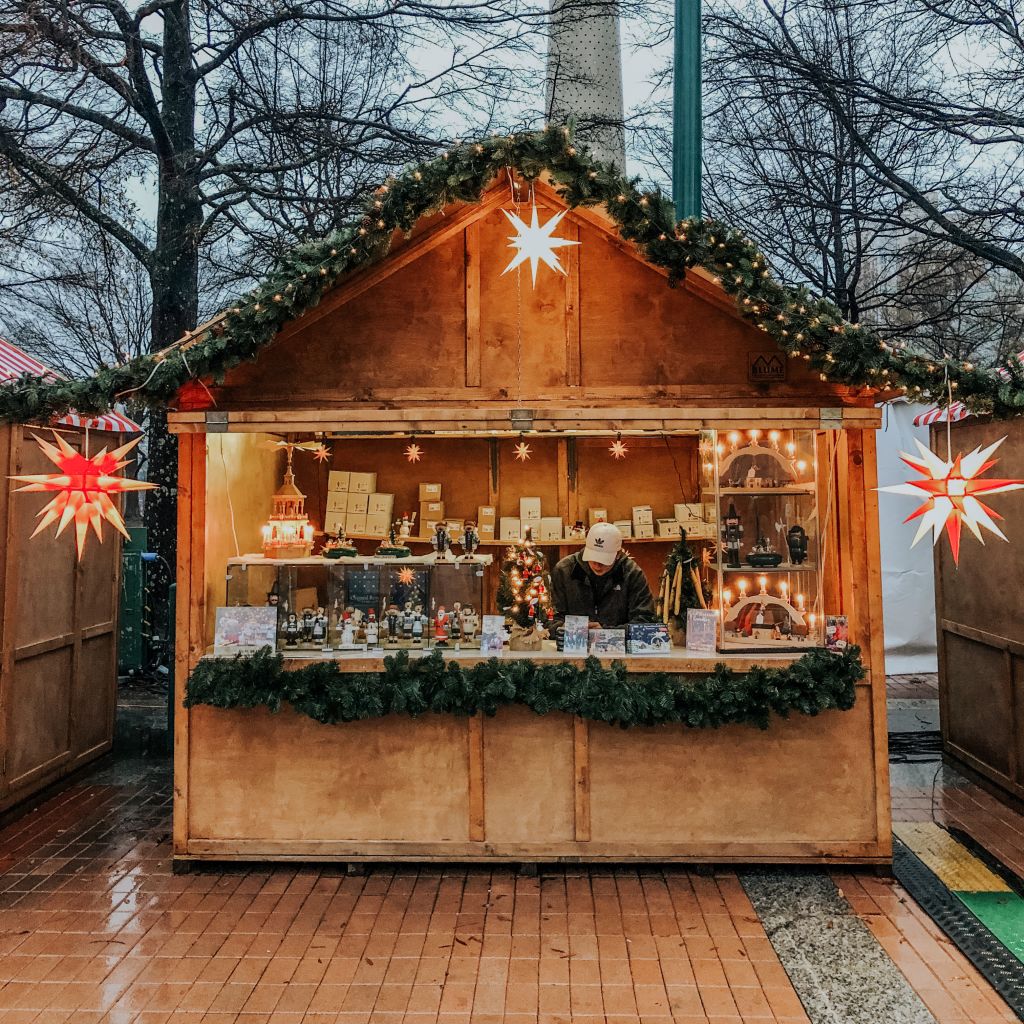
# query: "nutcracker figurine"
{"type": "Point", "coordinates": [732, 533]}
{"type": "Point", "coordinates": [470, 540]}
{"type": "Point", "coordinates": [441, 540]}
{"type": "Point", "coordinates": [796, 541]}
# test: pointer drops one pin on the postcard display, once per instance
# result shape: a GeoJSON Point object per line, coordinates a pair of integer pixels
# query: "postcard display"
{"type": "Point", "coordinates": [357, 604]}
{"type": "Point", "coordinates": [769, 553]}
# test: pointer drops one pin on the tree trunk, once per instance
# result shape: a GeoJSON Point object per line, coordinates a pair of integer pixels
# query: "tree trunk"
{"type": "Point", "coordinates": [174, 277]}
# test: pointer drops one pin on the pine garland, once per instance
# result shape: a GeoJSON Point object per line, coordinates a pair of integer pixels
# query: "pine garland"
{"type": "Point", "coordinates": [801, 324]}
{"type": "Point", "coordinates": [819, 681]}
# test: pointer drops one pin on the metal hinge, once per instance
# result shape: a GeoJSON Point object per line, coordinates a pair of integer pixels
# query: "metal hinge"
{"type": "Point", "coordinates": [216, 422]}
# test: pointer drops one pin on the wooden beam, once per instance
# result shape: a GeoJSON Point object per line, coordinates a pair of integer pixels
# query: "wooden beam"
{"type": "Point", "coordinates": [581, 765]}
{"type": "Point", "coordinates": [573, 338]}
{"type": "Point", "coordinates": [477, 820]}
{"type": "Point", "coordinates": [473, 339]}
{"type": "Point", "coordinates": [182, 620]}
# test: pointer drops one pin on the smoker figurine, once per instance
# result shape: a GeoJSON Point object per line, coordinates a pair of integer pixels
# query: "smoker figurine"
{"type": "Point", "coordinates": [796, 541]}
{"type": "Point", "coordinates": [732, 533]}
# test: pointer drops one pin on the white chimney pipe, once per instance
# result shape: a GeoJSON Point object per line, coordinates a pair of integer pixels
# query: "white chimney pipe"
{"type": "Point", "coordinates": [584, 76]}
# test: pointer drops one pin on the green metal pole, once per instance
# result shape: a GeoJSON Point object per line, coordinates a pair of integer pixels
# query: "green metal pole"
{"type": "Point", "coordinates": [686, 110]}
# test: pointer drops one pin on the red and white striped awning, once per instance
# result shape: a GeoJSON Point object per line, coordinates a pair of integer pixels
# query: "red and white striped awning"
{"type": "Point", "coordinates": [15, 363]}
{"type": "Point", "coordinates": [942, 414]}
{"type": "Point", "coordinates": [1004, 373]}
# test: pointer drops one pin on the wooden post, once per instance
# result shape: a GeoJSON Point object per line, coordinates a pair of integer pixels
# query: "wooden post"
{"type": "Point", "coordinates": [473, 340]}
{"type": "Point", "coordinates": [476, 778]}
{"type": "Point", "coordinates": [573, 338]}
{"type": "Point", "coordinates": [581, 765]}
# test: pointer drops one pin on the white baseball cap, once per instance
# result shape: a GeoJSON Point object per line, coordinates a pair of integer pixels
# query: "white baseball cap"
{"type": "Point", "coordinates": [604, 541]}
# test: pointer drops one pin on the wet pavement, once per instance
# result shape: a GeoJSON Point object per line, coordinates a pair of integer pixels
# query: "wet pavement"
{"type": "Point", "coordinates": [94, 927]}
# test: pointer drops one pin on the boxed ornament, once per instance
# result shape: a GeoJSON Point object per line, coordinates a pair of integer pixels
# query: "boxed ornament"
{"type": "Point", "coordinates": [378, 524]}
{"type": "Point", "coordinates": [362, 483]}
{"type": "Point", "coordinates": [648, 638]}
{"type": "Point", "coordinates": [529, 509]}
{"type": "Point", "coordinates": [510, 528]}
{"type": "Point", "coordinates": [643, 515]}
{"type": "Point", "coordinates": [357, 522]}
{"type": "Point", "coordinates": [337, 501]}
{"type": "Point", "coordinates": [643, 531]}
{"type": "Point", "coordinates": [575, 532]}
{"type": "Point", "coordinates": [381, 504]}
{"type": "Point", "coordinates": [357, 503]}
{"type": "Point", "coordinates": [335, 522]}
{"type": "Point", "coordinates": [625, 527]}
{"type": "Point", "coordinates": [597, 515]}
{"type": "Point", "coordinates": [430, 492]}
{"type": "Point", "coordinates": [667, 527]}
{"type": "Point", "coordinates": [486, 515]}
{"type": "Point", "coordinates": [338, 480]}
{"type": "Point", "coordinates": [486, 531]}
{"type": "Point", "coordinates": [687, 513]}
{"type": "Point", "coordinates": [607, 641]}
{"type": "Point", "coordinates": [550, 528]}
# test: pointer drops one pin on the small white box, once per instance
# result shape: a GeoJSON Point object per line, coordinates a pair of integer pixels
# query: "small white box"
{"type": "Point", "coordinates": [510, 528]}
{"type": "Point", "coordinates": [338, 480]}
{"type": "Point", "coordinates": [529, 509]}
{"type": "Point", "coordinates": [358, 503]}
{"type": "Point", "coordinates": [575, 532]}
{"type": "Point", "coordinates": [335, 521]}
{"type": "Point", "coordinates": [550, 528]}
{"type": "Point", "coordinates": [688, 512]}
{"type": "Point", "coordinates": [625, 527]}
{"type": "Point", "coordinates": [357, 522]}
{"type": "Point", "coordinates": [362, 483]}
{"type": "Point", "coordinates": [643, 515]}
{"type": "Point", "coordinates": [380, 504]}
{"type": "Point", "coordinates": [667, 527]}
{"type": "Point", "coordinates": [597, 515]}
{"type": "Point", "coordinates": [642, 531]}
{"type": "Point", "coordinates": [337, 501]}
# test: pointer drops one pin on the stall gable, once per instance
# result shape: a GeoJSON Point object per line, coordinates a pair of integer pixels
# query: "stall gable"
{"type": "Point", "coordinates": [439, 320]}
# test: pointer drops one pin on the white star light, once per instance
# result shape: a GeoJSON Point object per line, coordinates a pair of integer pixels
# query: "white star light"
{"type": "Point", "coordinates": [533, 242]}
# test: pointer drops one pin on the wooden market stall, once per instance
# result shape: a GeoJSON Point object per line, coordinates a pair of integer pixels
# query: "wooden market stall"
{"type": "Point", "coordinates": [433, 345]}
{"type": "Point", "coordinates": [980, 626]}
{"type": "Point", "coordinates": [58, 616]}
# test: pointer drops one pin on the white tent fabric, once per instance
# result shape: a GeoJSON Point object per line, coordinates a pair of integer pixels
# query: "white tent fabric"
{"type": "Point", "coordinates": [908, 581]}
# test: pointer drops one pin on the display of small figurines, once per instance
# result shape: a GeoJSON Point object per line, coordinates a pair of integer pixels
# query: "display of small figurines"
{"type": "Point", "coordinates": [396, 546]}
{"type": "Point", "coordinates": [470, 540]}
{"type": "Point", "coordinates": [339, 547]}
{"type": "Point", "coordinates": [767, 619]}
{"type": "Point", "coordinates": [758, 466]}
{"type": "Point", "coordinates": [441, 541]}
{"type": "Point", "coordinates": [732, 535]}
{"type": "Point", "coordinates": [796, 541]}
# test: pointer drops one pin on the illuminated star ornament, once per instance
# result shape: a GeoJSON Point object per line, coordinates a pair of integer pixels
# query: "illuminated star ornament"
{"type": "Point", "coordinates": [83, 488]}
{"type": "Point", "coordinates": [950, 488]}
{"type": "Point", "coordinates": [405, 576]}
{"type": "Point", "coordinates": [523, 451]}
{"type": "Point", "coordinates": [534, 242]}
{"type": "Point", "coordinates": [619, 449]}
{"type": "Point", "coordinates": [321, 453]}
{"type": "Point", "coordinates": [414, 453]}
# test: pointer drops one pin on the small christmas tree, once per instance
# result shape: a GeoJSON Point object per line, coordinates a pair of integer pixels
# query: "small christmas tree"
{"type": "Point", "coordinates": [681, 586]}
{"type": "Point", "coordinates": [524, 592]}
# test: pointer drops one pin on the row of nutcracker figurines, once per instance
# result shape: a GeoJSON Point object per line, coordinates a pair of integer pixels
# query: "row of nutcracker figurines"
{"type": "Point", "coordinates": [407, 626]}
{"type": "Point", "coordinates": [397, 544]}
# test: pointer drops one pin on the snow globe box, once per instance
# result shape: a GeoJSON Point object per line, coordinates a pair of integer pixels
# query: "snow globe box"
{"type": "Point", "coordinates": [648, 638]}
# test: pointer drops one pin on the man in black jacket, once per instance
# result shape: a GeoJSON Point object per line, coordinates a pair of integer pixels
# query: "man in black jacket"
{"type": "Point", "coordinates": [601, 582]}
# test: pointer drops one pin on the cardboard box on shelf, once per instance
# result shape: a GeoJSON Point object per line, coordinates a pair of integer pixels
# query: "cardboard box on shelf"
{"type": "Point", "coordinates": [357, 503]}
{"type": "Point", "coordinates": [305, 597]}
{"type": "Point", "coordinates": [688, 512]}
{"type": "Point", "coordinates": [335, 521]}
{"type": "Point", "coordinates": [378, 524]}
{"type": "Point", "coordinates": [430, 492]}
{"type": "Point", "coordinates": [486, 514]}
{"type": "Point", "coordinates": [529, 509]}
{"type": "Point", "coordinates": [575, 532]}
{"type": "Point", "coordinates": [357, 522]}
{"type": "Point", "coordinates": [700, 531]}
{"type": "Point", "coordinates": [551, 528]}
{"type": "Point", "coordinates": [643, 515]}
{"type": "Point", "coordinates": [381, 503]}
{"type": "Point", "coordinates": [338, 480]}
{"type": "Point", "coordinates": [643, 531]}
{"type": "Point", "coordinates": [597, 515]}
{"type": "Point", "coordinates": [667, 527]}
{"type": "Point", "coordinates": [337, 501]}
{"type": "Point", "coordinates": [510, 528]}
{"type": "Point", "coordinates": [625, 527]}
{"type": "Point", "coordinates": [486, 531]}
{"type": "Point", "coordinates": [430, 510]}
{"type": "Point", "coordinates": [456, 528]}
{"type": "Point", "coordinates": [362, 483]}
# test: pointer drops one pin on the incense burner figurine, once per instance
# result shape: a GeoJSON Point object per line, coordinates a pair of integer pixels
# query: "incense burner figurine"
{"type": "Point", "coordinates": [763, 555]}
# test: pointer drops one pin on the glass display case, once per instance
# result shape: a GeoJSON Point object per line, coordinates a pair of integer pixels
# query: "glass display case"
{"type": "Point", "coordinates": [357, 604]}
{"type": "Point", "coordinates": [769, 552]}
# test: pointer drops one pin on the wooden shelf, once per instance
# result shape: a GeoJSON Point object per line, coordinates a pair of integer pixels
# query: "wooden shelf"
{"type": "Point", "coordinates": [766, 492]}
{"type": "Point", "coordinates": [563, 543]}
{"type": "Point", "coordinates": [755, 570]}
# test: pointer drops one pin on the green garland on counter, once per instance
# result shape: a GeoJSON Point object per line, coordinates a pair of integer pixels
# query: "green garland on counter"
{"type": "Point", "coordinates": [819, 681]}
{"type": "Point", "coordinates": [801, 324]}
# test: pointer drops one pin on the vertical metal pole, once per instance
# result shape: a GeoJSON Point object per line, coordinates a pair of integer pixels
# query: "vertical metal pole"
{"type": "Point", "coordinates": [687, 143]}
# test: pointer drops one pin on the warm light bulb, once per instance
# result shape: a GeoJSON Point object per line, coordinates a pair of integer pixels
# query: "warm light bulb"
{"type": "Point", "coordinates": [734, 438]}
{"type": "Point", "coordinates": [790, 449]}
{"type": "Point", "coordinates": [784, 590]}
{"type": "Point", "coordinates": [727, 597]}
{"type": "Point", "coordinates": [754, 434]}
{"type": "Point", "coordinates": [773, 436]}
{"type": "Point", "coordinates": [762, 582]}
{"type": "Point", "coordinates": [800, 602]}
{"type": "Point", "coordinates": [742, 584]}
